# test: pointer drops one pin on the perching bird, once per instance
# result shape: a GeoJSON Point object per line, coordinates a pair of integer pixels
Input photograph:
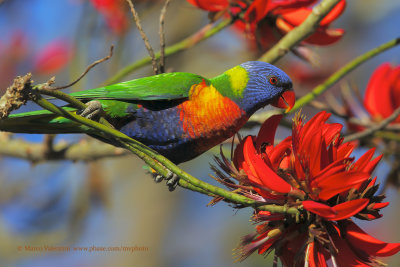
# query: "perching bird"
{"type": "Point", "coordinates": [180, 115]}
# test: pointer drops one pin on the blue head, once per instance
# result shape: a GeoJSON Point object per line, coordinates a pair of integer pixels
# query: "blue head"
{"type": "Point", "coordinates": [266, 84]}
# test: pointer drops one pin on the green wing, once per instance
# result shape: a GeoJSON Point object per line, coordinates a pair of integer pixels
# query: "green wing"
{"type": "Point", "coordinates": [166, 86]}
{"type": "Point", "coordinates": [115, 99]}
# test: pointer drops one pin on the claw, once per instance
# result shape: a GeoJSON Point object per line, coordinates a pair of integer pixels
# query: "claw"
{"type": "Point", "coordinates": [158, 178]}
{"type": "Point", "coordinates": [172, 179]}
{"type": "Point", "coordinates": [92, 111]}
{"type": "Point", "coordinates": [172, 182]}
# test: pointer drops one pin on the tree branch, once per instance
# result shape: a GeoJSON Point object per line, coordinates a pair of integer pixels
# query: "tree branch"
{"type": "Point", "coordinates": [15, 96]}
{"type": "Point", "coordinates": [370, 131]}
{"type": "Point", "coordinates": [156, 161]}
{"type": "Point", "coordinates": [335, 77]}
{"type": "Point", "coordinates": [37, 152]}
{"type": "Point", "coordinates": [258, 119]}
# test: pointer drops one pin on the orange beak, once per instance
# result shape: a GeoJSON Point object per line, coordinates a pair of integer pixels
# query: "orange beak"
{"type": "Point", "coordinates": [285, 101]}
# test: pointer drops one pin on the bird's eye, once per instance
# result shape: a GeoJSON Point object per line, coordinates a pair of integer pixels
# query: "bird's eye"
{"type": "Point", "coordinates": [273, 80]}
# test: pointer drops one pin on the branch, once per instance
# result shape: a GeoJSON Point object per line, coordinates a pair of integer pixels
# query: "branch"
{"type": "Point", "coordinates": [203, 34]}
{"type": "Point", "coordinates": [258, 119]}
{"type": "Point", "coordinates": [162, 36]}
{"type": "Point", "coordinates": [370, 131]}
{"type": "Point", "coordinates": [156, 161]}
{"type": "Point", "coordinates": [38, 152]}
{"type": "Point", "coordinates": [388, 135]}
{"type": "Point", "coordinates": [148, 155]}
{"type": "Point", "coordinates": [329, 107]}
{"type": "Point", "coordinates": [144, 36]}
{"type": "Point", "coordinates": [299, 33]}
{"type": "Point", "coordinates": [16, 95]}
{"type": "Point", "coordinates": [87, 70]}
{"type": "Point", "coordinates": [335, 77]}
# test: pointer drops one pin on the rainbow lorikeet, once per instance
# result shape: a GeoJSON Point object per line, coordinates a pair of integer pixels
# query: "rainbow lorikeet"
{"type": "Point", "coordinates": [180, 115]}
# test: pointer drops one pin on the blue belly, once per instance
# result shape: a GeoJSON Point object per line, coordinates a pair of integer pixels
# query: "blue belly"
{"type": "Point", "coordinates": [163, 132]}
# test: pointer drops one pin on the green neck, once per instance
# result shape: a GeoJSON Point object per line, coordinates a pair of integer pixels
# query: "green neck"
{"type": "Point", "coordinates": [223, 85]}
{"type": "Point", "coordinates": [232, 83]}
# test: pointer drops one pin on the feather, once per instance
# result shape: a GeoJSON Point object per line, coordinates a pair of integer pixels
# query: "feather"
{"type": "Point", "coordinates": [166, 86]}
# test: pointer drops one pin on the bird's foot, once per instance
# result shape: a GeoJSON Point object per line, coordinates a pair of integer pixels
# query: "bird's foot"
{"type": "Point", "coordinates": [93, 110]}
{"type": "Point", "coordinates": [172, 179]}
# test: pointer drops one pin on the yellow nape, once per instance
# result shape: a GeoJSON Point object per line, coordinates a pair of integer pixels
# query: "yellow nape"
{"type": "Point", "coordinates": [238, 77]}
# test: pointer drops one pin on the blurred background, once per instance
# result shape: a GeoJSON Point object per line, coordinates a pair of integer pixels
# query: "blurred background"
{"type": "Point", "coordinates": [114, 201]}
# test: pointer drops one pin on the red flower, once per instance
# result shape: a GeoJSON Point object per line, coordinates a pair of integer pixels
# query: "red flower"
{"type": "Point", "coordinates": [382, 95]}
{"type": "Point", "coordinates": [287, 20]}
{"type": "Point", "coordinates": [265, 21]}
{"type": "Point", "coordinates": [253, 12]}
{"type": "Point", "coordinates": [210, 5]}
{"type": "Point", "coordinates": [114, 14]}
{"type": "Point", "coordinates": [313, 171]}
{"type": "Point", "coordinates": [53, 57]}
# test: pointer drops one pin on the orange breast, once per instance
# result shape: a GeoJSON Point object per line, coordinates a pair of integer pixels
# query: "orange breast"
{"type": "Point", "coordinates": [208, 114]}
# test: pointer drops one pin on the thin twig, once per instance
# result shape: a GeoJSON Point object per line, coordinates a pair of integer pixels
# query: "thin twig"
{"type": "Point", "coordinates": [144, 36]}
{"type": "Point", "coordinates": [373, 129]}
{"type": "Point", "coordinates": [203, 34]}
{"type": "Point", "coordinates": [258, 119]}
{"type": "Point", "coordinates": [86, 71]}
{"type": "Point", "coordinates": [351, 104]}
{"type": "Point", "coordinates": [327, 107]}
{"type": "Point", "coordinates": [393, 127]}
{"type": "Point", "coordinates": [388, 135]}
{"type": "Point", "coordinates": [368, 123]}
{"type": "Point", "coordinates": [162, 36]}
{"type": "Point", "coordinates": [335, 105]}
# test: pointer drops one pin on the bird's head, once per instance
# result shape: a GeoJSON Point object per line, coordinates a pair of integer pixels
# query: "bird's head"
{"type": "Point", "coordinates": [255, 84]}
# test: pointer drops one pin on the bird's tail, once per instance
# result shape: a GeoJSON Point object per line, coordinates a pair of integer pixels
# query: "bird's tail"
{"type": "Point", "coordinates": [40, 122]}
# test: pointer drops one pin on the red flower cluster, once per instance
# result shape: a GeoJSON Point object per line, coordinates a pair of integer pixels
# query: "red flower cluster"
{"type": "Point", "coordinates": [268, 20]}
{"type": "Point", "coordinates": [53, 57]}
{"type": "Point", "coordinates": [114, 14]}
{"type": "Point", "coordinates": [48, 60]}
{"type": "Point", "coordinates": [313, 171]}
{"type": "Point", "coordinates": [382, 96]}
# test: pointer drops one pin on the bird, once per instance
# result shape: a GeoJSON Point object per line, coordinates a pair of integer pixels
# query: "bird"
{"type": "Point", "coordinates": [180, 115]}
